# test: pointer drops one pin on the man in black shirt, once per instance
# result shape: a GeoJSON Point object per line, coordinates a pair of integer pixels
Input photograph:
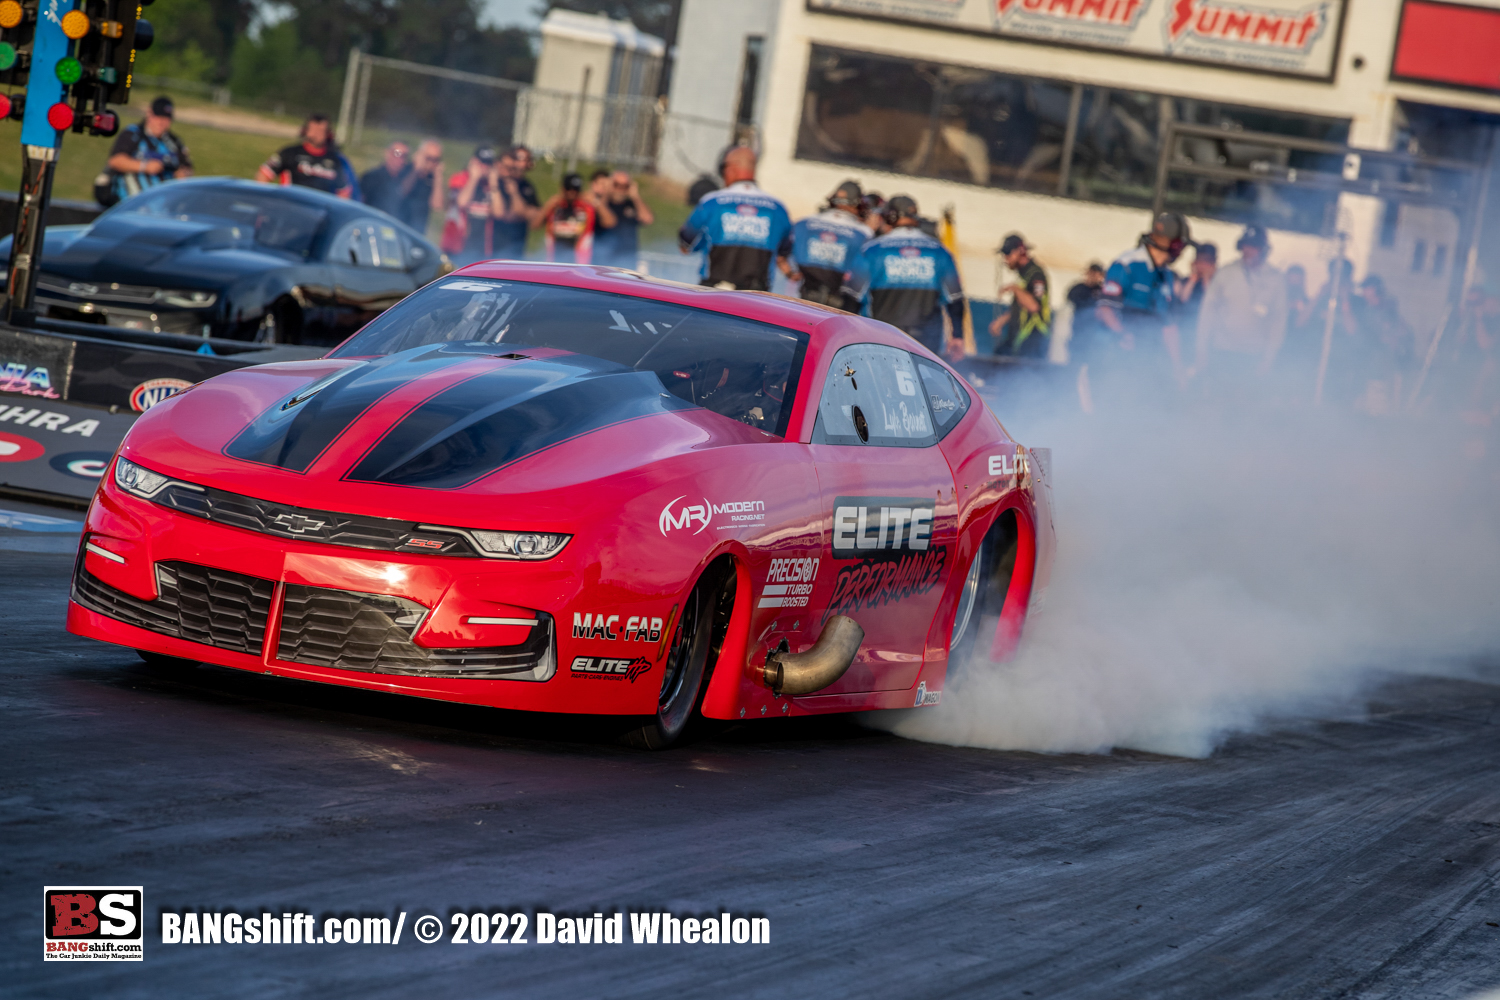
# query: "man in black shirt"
{"type": "Point", "coordinates": [144, 155]}
{"type": "Point", "coordinates": [314, 162]}
{"type": "Point", "coordinates": [619, 245]}
{"type": "Point", "coordinates": [1025, 329]}
{"type": "Point", "coordinates": [514, 205]}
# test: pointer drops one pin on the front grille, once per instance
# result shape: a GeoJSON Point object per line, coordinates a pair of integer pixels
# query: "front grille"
{"type": "Point", "coordinates": [372, 632]}
{"type": "Point", "coordinates": [285, 521]}
{"type": "Point", "coordinates": [209, 606]}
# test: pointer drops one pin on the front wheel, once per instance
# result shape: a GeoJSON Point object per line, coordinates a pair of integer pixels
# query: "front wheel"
{"type": "Point", "coordinates": [697, 637]}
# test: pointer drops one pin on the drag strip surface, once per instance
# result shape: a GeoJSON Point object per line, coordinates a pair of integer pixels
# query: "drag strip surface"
{"type": "Point", "coordinates": [1348, 858]}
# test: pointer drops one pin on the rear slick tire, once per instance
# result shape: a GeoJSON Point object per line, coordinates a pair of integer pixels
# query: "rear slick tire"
{"type": "Point", "coordinates": [697, 639]}
{"type": "Point", "coordinates": [982, 602]}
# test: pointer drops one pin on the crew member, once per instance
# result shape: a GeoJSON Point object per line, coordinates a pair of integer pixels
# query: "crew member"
{"type": "Point", "coordinates": [620, 245]}
{"type": "Point", "coordinates": [1024, 330]}
{"type": "Point", "coordinates": [1140, 290]}
{"type": "Point", "coordinates": [315, 162]}
{"type": "Point", "coordinates": [144, 155]}
{"type": "Point", "coordinates": [824, 247]}
{"type": "Point", "coordinates": [908, 279]}
{"type": "Point", "coordinates": [569, 218]}
{"type": "Point", "coordinates": [741, 228]}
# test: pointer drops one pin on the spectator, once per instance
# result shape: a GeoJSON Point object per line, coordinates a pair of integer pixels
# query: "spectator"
{"type": "Point", "coordinates": [824, 247]}
{"type": "Point", "coordinates": [1084, 297]}
{"type": "Point", "coordinates": [144, 155]}
{"type": "Point", "coordinates": [870, 211]}
{"type": "Point", "coordinates": [423, 186]}
{"type": "Point", "coordinates": [741, 228]}
{"type": "Point", "coordinates": [1387, 348]}
{"type": "Point", "coordinates": [569, 219]}
{"type": "Point", "coordinates": [909, 280]}
{"type": "Point", "coordinates": [382, 186]}
{"type": "Point", "coordinates": [1024, 329]}
{"type": "Point", "coordinates": [1303, 346]}
{"type": "Point", "coordinates": [1472, 363]}
{"type": "Point", "coordinates": [620, 245]}
{"type": "Point", "coordinates": [314, 162]}
{"type": "Point", "coordinates": [1190, 290]}
{"type": "Point", "coordinates": [469, 233]}
{"type": "Point", "coordinates": [1336, 296]}
{"type": "Point", "coordinates": [514, 204]}
{"type": "Point", "coordinates": [1244, 316]}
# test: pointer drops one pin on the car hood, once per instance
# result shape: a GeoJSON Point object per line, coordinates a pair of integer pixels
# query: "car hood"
{"type": "Point", "coordinates": [149, 250]}
{"type": "Point", "coordinates": [428, 432]}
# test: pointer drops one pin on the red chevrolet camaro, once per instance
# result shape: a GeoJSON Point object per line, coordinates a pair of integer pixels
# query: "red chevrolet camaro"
{"type": "Point", "coordinates": [577, 489]}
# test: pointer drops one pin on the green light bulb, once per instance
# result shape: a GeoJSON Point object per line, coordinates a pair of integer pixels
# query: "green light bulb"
{"type": "Point", "coordinates": [7, 56]}
{"type": "Point", "coordinates": [69, 70]}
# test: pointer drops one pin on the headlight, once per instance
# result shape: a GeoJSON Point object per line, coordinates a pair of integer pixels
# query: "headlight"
{"type": "Point", "coordinates": [188, 299]}
{"type": "Point", "coordinates": [519, 544]}
{"type": "Point", "coordinates": [142, 482]}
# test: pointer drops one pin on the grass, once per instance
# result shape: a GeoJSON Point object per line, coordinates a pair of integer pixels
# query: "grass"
{"type": "Point", "coordinates": [219, 152]}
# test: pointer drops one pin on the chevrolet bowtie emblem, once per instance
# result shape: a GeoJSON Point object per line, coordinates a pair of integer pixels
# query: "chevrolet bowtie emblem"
{"type": "Point", "coordinates": [297, 523]}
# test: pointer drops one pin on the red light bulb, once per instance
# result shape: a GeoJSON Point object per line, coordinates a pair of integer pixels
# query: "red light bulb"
{"type": "Point", "coordinates": [60, 116]}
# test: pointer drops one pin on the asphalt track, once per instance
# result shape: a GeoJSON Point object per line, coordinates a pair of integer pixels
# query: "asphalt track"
{"type": "Point", "coordinates": [1344, 858]}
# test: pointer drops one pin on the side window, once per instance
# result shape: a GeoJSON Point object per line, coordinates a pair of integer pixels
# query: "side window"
{"type": "Point", "coordinates": [368, 243]}
{"type": "Point", "coordinates": [873, 396]}
{"type": "Point", "coordinates": [945, 395]}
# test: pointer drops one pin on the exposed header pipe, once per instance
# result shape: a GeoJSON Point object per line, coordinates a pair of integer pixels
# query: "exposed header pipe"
{"type": "Point", "coordinates": [814, 670]}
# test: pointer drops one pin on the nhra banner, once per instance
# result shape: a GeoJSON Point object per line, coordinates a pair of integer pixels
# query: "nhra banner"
{"type": "Point", "coordinates": [1289, 37]}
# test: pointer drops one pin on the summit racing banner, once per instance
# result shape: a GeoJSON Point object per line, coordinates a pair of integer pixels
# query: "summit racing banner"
{"type": "Point", "coordinates": [1291, 37]}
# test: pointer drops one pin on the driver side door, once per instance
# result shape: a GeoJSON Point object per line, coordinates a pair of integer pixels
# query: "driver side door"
{"type": "Point", "coordinates": [888, 509]}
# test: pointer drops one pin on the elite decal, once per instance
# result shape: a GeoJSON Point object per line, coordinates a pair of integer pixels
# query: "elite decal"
{"type": "Point", "coordinates": [610, 668]}
{"type": "Point", "coordinates": [789, 583]}
{"type": "Point", "coordinates": [891, 524]}
{"type": "Point", "coordinates": [638, 628]}
{"type": "Point", "coordinates": [1007, 465]}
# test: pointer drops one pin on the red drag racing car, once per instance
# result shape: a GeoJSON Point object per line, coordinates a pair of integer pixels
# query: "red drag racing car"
{"type": "Point", "coordinates": [576, 489]}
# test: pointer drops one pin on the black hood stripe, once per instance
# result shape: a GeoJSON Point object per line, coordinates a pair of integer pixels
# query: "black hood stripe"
{"type": "Point", "coordinates": [291, 435]}
{"type": "Point", "coordinates": [470, 430]}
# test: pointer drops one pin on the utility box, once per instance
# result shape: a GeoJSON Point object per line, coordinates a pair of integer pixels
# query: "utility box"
{"type": "Point", "coordinates": [595, 88]}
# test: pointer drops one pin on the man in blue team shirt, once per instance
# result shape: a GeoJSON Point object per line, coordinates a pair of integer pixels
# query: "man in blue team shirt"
{"type": "Point", "coordinates": [1140, 291]}
{"type": "Point", "coordinates": [824, 247]}
{"type": "Point", "coordinates": [908, 279]}
{"type": "Point", "coordinates": [741, 228]}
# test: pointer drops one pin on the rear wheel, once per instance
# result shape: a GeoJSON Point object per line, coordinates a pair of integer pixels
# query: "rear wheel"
{"type": "Point", "coordinates": [697, 638]}
{"type": "Point", "coordinates": [982, 601]}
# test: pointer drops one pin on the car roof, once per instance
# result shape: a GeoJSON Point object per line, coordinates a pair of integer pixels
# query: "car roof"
{"type": "Point", "coordinates": [341, 210]}
{"type": "Point", "coordinates": [764, 307]}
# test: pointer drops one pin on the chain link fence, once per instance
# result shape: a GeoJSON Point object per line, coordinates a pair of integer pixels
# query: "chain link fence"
{"type": "Point", "coordinates": [393, 96]}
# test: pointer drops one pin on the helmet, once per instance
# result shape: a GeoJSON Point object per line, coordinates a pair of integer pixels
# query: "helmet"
{"type": "Point", "coordinates": [899, 207]}
{"type": "Point", "coordinates": [847, 195]}
{"type": "Point", "coordinates": [1172, 227]}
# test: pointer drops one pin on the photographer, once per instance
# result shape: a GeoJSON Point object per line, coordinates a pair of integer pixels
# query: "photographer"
{"type": "Point", "coordinates": [143, 155]}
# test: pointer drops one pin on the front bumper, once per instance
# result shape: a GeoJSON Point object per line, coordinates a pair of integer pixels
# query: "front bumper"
{"type": "Point", "coordinates": [432, 626]}
{"type": "Point", "coordinates": [132, 307]}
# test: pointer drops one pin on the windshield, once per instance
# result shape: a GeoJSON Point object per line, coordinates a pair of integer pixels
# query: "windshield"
{"type": "Point", "coordinates": [278, 223]}
{"type": "Point", "coordinates": [736, 367]}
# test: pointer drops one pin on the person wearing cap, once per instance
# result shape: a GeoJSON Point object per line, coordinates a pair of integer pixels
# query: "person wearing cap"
{"type": "Point", "coordinates": [469, 234]}
{"type": "Point", "coordinates": [908, 279]}
{"type": "Point", "coordinates": [144, 155]}
{"type": "Point", "coordinates": [824, 246]}
{"type": "Point", "coordinates": [315, 161]}
{"type": "Point", "coordinates": [740, 229]}
{"type": "Point", "coordinates": [1242, 324]}
{"type": "Point", "coordinates": [568, 219]}
{"type": "Point", "coordinates": [1192, 289]}
{"type": "Point", "coordinates": [1024, 329]}
{"type": "Point", "coordinates": [1140, 290]}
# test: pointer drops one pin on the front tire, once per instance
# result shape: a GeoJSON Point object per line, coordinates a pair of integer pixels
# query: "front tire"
{"type": "Point", "coordinates": [281, 324]}
{"type": "Point", "coordinates": [697, 639]}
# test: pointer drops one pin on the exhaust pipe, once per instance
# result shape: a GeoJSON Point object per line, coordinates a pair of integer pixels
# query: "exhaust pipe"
{"type": "Point", "coordinates": [814, 670]}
